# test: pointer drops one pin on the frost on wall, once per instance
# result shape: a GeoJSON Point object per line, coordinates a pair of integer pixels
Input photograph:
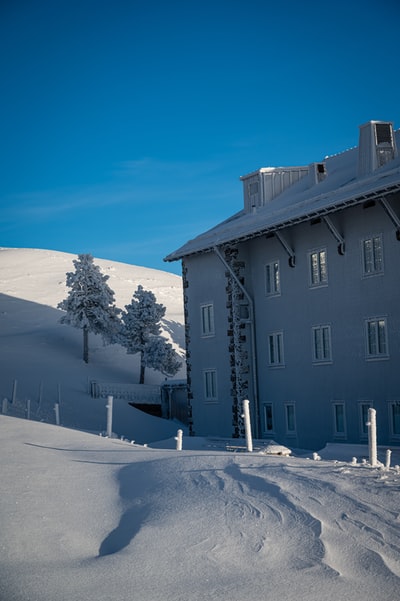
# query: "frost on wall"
{"type": "Point", "coordinates": [185, 282]}
{"type": "Point", "coordinates": [238, 353]}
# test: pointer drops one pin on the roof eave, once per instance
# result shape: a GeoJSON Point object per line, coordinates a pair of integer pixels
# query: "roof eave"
{"type": "Point", "coordinates": [337, 206]}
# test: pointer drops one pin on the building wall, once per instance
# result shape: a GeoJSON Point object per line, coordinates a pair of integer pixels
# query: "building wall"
{"type": "Point", "coordinates": [205, 275]}
{"type": "Point", "coordinates": [301, 389]}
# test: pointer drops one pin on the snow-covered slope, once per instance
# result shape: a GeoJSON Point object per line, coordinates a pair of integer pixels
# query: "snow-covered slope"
{"type": "Point", "coordinates": [44, 357]}
{"type": "Point", "coordinates": [94, 519]}
{"type": "Point", "coordinates": [39, 276]}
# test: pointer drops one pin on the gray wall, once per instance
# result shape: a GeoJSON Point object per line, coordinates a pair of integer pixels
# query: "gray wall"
{"type": "Point", "coordinates": [344, 304]}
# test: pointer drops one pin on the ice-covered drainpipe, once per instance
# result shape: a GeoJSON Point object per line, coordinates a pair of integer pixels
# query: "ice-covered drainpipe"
{"type": "Point", "coordinates": [253, 340]}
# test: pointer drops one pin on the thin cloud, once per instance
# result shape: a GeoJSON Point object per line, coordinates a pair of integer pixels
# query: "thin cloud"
{"type": "Point", "coordinates": [137, 182]}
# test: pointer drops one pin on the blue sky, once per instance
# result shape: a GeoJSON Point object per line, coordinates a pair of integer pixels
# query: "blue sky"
{"type": "Point", "coordinates": [125, 125]}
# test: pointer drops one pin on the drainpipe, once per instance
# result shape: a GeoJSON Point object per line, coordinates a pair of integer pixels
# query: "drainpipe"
{"type": "Point", "coordinates": [252, 335]}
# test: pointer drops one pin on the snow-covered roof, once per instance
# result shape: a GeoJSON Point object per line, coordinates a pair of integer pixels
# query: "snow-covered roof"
{"type": "Point", "coordinates": [302, 201]}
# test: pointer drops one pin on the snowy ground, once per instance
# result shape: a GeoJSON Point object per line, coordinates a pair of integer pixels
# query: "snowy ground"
{"type": "Point", "coordinates": [87, 518]}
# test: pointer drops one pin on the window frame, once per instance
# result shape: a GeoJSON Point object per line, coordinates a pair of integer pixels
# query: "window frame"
{"type": "Point", "coordinates": [377, 263]}
{"type": "Point", "coordinates": [342, 434]}
{"type": "Point", "coordinates": [322, 278]}
{"type": "Point", "coordinates": [207, 320]}
{"type": "Point", "coordinates": [277, 346]}
{"type": "Point", "coordinates": [377, 342]}
{"type": "Point", "coordinates": [363, 419]}
{"type": "Point", "coordinates": [210, 377]}
{"type": "Point", "coordinates": [325, 357]}
{"type": "Point", "coordinates": [393, 433]}
{"type": "Point", "coordinates": [290, 431]}
{"type": "Point", "coordinates": [268, 406]}
{"type": "Point", "coordinates": [272, 278]}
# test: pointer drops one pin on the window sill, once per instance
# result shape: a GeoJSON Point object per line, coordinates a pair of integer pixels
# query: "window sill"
{"type": "Point", "coordinates": [317, 286]}
{"type": "Point", "coordinates": [322, 362]}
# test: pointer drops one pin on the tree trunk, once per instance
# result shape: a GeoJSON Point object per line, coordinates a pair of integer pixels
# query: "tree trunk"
{"type": "Point", "coordinates": [85, 344]}
{"type": "Point", "coordinates": [142, 368]}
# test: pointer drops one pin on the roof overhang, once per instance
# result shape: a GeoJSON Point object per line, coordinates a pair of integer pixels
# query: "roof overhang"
{"type": "Point", "coordinates": [337, 204]}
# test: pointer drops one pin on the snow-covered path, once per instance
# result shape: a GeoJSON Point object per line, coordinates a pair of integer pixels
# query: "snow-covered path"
{"type": "Point", "coordinates": [83, 517]}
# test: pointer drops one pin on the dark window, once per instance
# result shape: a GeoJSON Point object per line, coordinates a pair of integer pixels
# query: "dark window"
{"type": "Point", "coordinates": [383, 133]}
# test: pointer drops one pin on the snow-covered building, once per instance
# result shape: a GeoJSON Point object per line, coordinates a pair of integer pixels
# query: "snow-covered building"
{"type": "Point", "coordinates": [294, 302]}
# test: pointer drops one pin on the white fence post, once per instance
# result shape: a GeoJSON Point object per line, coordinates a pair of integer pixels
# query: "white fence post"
{"type": "Point", "coordinates": [247, 425]}
{"type": "Point", "coordinates": [57, 412]}
{"type": "Point", "coordinates": [388, 456]}
{"type": "Point", "coordinates": [14, 392]}
{"type": "Point", "coordinates": [28, 409]}
{"type": "Point", "coordinates": [373, 458]}
{"type": "Point", "coordinates": [178, 439]}
{"type": "Point", "coordinates": [40, 398]}
{"type": "Point", "coordinates": [109, 415]}
{"type": "Point", "coordinates": [4, 407]}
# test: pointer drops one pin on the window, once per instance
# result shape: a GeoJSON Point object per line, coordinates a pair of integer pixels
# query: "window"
{"type": "Point", "coordinates": [253, 188]}
{"type": "Point", "coordinates": [394, 418]}
{"type": "Point", "coordinates": [383, 133]}
{"type": "Point", "coordinates": [210, 384]}
{"type": "Point", "coordinates": [372, 255]}
{"type": "Point", "coordinates": [363, 408]}
{"type": "Point", "coordinates": [268, 418]}
{"type": "Point", "coordinates": [254, 194]}
{"type": "Point", "coordinates": [376, 338]}
{"type": "Point", "coordinates": [272, 279]}
{"type": "Point", "coordinates": [321, 338]}
{"type": "Point", "coordinates": [339, 420]}
{"type": "Point", "coordinates": [290, 418]}
{"type": "Point", "coordinates": [207, 320]}
{"type": "Point", "coordinates": [275, 343]}
{"type": "Point", "coordinates": [318, 268]}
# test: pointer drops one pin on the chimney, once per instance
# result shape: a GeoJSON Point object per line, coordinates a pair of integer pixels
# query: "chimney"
{"type": "Point", "coordinates": [376, 147]}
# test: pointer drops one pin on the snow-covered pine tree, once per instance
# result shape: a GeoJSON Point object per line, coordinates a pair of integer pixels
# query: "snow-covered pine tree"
{"type": "Point", "coordinates": [90, 304]}
{"type": "Point", "coordinates": [161, 356]}
{"type": "Point", "coordinates": [141, 331]}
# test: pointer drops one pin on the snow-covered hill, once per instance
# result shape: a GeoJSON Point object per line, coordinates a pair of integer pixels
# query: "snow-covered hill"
{"type": "Point", "coordinates": [44, 358]}
{"type": "Point", "coordinates": [39, 276]}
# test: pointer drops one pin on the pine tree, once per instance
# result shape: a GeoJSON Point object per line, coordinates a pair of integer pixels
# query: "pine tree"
{"type": "Point", "coordinates": [141, 331]}
{"type": "Point", "coordinates": [90, 304]}
{"type": "Point", "coordinates": [161, 356]}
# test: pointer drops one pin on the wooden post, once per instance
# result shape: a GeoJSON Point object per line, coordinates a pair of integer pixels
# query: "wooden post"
{"type": "Point", "coordinates": [178, 439]}
{"type": "Point", "coordinates": [247, 425]}
{"type": "Point", "coordinates": [57, 412]}
{"type": "Point", "coordinates": [373, 458]}
{"type": "Point", "coordinates": [14, 392]}
{"type": "Point", "coordinates": [109, 415]}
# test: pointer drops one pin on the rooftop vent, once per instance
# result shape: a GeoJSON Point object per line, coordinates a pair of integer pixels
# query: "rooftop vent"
{"type": "Point", "coordinates": [377, 146]}
{"type": "Point", "coordinates": [317, 173]}
{"type": "Point", "coordinates": [262, 186]}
